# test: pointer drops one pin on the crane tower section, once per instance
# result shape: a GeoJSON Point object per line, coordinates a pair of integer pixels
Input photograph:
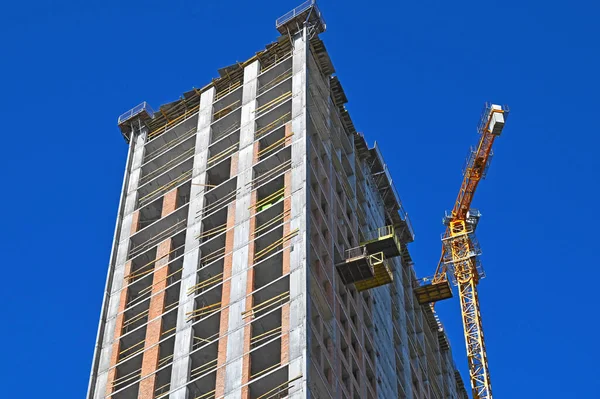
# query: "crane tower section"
{"type": "Point", "coordinates": [460, 252]}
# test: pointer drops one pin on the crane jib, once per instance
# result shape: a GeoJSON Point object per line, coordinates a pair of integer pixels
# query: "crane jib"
{"type": "Point", "coordinates": [460, 253]}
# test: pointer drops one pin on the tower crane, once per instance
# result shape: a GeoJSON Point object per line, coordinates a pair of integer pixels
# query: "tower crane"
{"type": "Point", "coordinates": [460, 252]}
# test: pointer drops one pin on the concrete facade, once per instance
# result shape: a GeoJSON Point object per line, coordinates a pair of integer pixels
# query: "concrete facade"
{"type": "Point", "coordinates": [239, 200]}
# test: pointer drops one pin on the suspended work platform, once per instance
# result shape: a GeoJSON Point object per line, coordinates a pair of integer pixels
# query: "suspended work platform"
{"type": "Point", "coordinates": [382, 274]}
{"type": "Point", "coordinates": [356, 267]}
{"type": "Point", "coordinates": [428, 292]}
{"type": "Point", "coordinates": [385, 240]}
{"type": "Point", "coordinates": [364, 270]}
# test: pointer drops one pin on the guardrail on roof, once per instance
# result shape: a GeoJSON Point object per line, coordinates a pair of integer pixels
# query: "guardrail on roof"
{"type": "Point", "coordinates": [292, 14]}
{"type": "Point", "coordinates": [135, 111]}
{"type": "Point", "coordinates": [289, 16]}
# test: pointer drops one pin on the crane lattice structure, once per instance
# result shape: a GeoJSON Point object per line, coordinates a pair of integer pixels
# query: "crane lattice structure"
{"type": "Point", "coordinates": [460, 252]}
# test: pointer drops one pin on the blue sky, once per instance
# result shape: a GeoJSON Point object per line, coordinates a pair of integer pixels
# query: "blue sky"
{"type": "Point", "coordinates": [416, 75]}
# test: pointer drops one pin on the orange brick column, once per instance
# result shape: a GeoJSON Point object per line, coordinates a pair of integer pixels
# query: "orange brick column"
{"type": "Point", "coordinates": [224, 316]}
{"type": "Point", "coordinates": [135, 221]}
{"type": "Point", "coordinates": [285, 310]}
{"type": "Point", "coordinates": [116, 346]}
{"type": "Point", "coordinates": [156, 308]}
{"type": "Point", "coordinates": [249, 299]}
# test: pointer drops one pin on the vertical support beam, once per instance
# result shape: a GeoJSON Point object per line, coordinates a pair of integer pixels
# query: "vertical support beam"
{"type": "Point", "coordinates": [183, 338]}
{"type": "Point", "coordinates": [246, 364]}
{"type": "Point", "coordinates": [157, 307]}
{"type": "Point", "coordinates": [108, 329]}
{"type": "Point", "coordinates": [402, 285]}
{"type": "Point", "coordinates": [234, 369]}
{"type": "Point", "coordinates": [298, 339]}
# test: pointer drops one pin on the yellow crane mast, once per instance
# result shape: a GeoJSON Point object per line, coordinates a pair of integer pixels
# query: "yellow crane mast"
{"type": "Point", "coordinates": [460, 253]}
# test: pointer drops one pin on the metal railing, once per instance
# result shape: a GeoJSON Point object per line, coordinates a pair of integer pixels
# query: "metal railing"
{"type": "Point", "coordinates": [355, 252]}
{"type": "Point", "coordinates": [135, 111]}
{"type": "Point", "coordinates": [292, 14]}
{"type": "Point", "coordinates": [379, 233]}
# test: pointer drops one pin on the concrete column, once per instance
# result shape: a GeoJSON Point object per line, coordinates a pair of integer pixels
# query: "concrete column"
{"type": "Point", "coordinates": [246, 363]}
{"type": "Point", "coordinates": [298, 339]}
{"type": "Point", "coordinates": [116, 277]}
{"type": "Point", "coordinates": [183, 337]}
{"type": "Point", "coordinates": [238, 287]}
{"type": "Point", "coordinates": [401, 324]}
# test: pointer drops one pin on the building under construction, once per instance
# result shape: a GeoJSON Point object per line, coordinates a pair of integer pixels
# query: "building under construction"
{"type": "Point", "coordinates": [261, 248]}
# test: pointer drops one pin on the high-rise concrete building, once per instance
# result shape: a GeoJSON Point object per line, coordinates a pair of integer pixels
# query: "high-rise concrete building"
{"type": "Point", "coordinates": [261, 247]}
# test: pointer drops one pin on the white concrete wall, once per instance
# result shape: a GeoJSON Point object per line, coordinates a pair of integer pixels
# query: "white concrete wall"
{"type": "Point", "coordinates": [298, 341]}
{"type": "Point", "coordinates": [97, 388]}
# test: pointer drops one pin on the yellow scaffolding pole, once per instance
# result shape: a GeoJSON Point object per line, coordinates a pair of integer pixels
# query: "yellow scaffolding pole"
{"type": "Point", "coordinates": [164, 188]}
{"type": "Point", "coordinates": [218, 203]}
{"type": "Point", "coordinates": [206, 395]}
{"type": "Point", "coordinates": [278, 389]}
{"type": "Point", "coordinates": [230, 89]}
{"type": "Point", "coordinates": [265, 370]}
{"type": "Point", "coordinates": [267, 198]}
{"type": "Point", "coordinates": [168, 331]}
{"type": "Point", "coordinates": [152, 262]}
{"type": "Point", "coordinates": [273, 82]}
{"type": "Point", "coordinates": [211, 232]}
{"type": "Point", "coordinates": [204, 340]}
{"type": "Point", "coordinates": [227, 131]}
{"type": "Point", "coordinates": [273, 103]}
{"type": "Point", "coordinates": [271, 173]}
{"type": "Point", "coordinates": [212, 256]}
{"type": "Point", "coordinates": [127, 377]}
{"type": "Point", "coordinates": [161, 394]}
{"type": "Point", "coordinates": [149, 288]}
{"type": "Point", "coordinates": [217, 157]}
{"type": "Point", "coordinates": [203, 311]}
{"type": "Point", "coordinates": [209, 282]}
{"type": "Point", "coordinates": [135, 318]}
{"type": "Point", "coordinates": [187, 114]}
{"type": "Point", "coordinates": [278, 218]}
{"type": "Point", "coordinates": [161, 150]}
{"type": "Point", "coordinates": [266, 66]}
{"type": "Point", "coordinates": [266, 304]}
{"type": "Point", "coordinates": [141, 247]}
{"type": "Point", "coordinates": [204, 368]}
{"type": "Point", "coordinates": [265, 336]}
{"type": "Point", "coordinates": [146, 178]}
{"type": "Point", "coordinates": [265, 129]}
{"type": "Point", "coordinates": [273, 146]}
{"type": "Point", "coordinates": [224, 111]}
{"type": "Point", "coordinates": [265, 251]}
